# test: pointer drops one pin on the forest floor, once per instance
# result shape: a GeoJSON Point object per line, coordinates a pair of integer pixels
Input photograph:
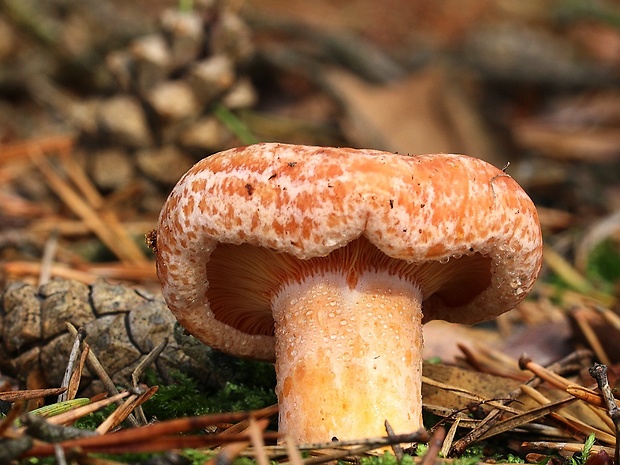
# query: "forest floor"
{"type": "Point", "coordinates": [104, 105]}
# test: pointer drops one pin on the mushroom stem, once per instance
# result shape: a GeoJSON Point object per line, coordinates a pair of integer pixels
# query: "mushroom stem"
{"type": "Point", "coordinates": [348, 357]}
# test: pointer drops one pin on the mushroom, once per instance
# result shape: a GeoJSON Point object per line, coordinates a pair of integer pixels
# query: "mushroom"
{"type": "Point", "coordinates": [328, 260]}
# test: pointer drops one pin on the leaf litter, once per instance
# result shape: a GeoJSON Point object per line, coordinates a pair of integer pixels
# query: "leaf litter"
{"type": "Point", "coordinates": [563, 148]}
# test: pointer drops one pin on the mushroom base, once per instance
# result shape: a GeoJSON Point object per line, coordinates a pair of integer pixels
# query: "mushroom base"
{"type": "Point", "coordinates": [348, 359]}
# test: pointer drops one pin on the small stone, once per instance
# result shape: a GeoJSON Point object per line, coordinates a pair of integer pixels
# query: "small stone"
{"type": "Point", "coordinates": [84, 115]}
{"type": "Point", "coordinates": [152, 61]}
{"type": "Point", "coordinates": [232, 37]}
{"type": "Point", "coordinates": [185, 34]}
{"type": "Point", "coordinates": [119, 63]}
{"type": "Point", "coordinates": [107, 178]}
{"type": "Point", "coordinates": [123, 120]}
{"type": "Point", "coordinates": [166, 164]}
{"type": "Point", "coordinates": [241, 95]}
{"type": "Point", "coordinates": [173, 101]}
{"type": "Point", "coordinates": [211, 77]}
{"type": "Point", "coordinates": [207, 134]}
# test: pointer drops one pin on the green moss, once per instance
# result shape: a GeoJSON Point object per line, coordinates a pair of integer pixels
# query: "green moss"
{"type": "Point", "coordinates": [250, 386]}
{"type": "Point", "coordinates": [604, 264]}
{"type": "Point", "coordinates": [39, 461]}
{"type": "Point", "coordinates": [93, 420]}
{"type": "Point", "coordinates": [197, 457]}
{"type": "Point", "coordinates": [250, 389]}
{"type": "Point", "coordinates": [244, 461]}
{"type": "Point", "coordinates": [386, 459]}
{"type": "Point", "coordinates": [582, 457]}
{"type": "Point", "coordinates": [479, 453]}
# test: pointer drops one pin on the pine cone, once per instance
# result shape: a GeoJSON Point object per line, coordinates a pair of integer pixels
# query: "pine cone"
{"type": "Point", "coordinates": [122, 325]}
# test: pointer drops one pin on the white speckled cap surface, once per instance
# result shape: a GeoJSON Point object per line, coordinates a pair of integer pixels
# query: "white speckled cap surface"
{"type": "Point", "coordinates": [305, 202]}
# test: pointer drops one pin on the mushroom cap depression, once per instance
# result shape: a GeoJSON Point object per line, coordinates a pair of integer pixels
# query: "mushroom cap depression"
{"type": "Point", "coordinates": [244, 222]}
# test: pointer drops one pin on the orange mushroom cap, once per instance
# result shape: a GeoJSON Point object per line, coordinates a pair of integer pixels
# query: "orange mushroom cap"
{"type": "Point", "coordinates": [242, 222]}
{"type": "Point", "coordinates": [328, 261]}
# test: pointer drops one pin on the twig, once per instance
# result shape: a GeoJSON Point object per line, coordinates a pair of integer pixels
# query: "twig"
{"type": "Point", "coordinates": [434, 446]}
{"type": "Point", "coordinates": [13, 396]}
{"type": "Point", "coordinates": [139, 370]}
{"type": "Point", "coordinates": [76, 376]}
{"type": "Point", "coordinates": [155, 436]}
{"type": "Point", "coordinates": [8, 421]}
{"type": "Point", "coordinates": [353, 448]}
{"type": "Point", "coordinates": [418, 436]}
{"type": "Point", "coordinates": [47, 259]}
{"type": "Point", "coordinates": [468, 395]}
{"type": "Point", "coordinates": [72, 415]}
{"type": "Point", "coordinates": [592, 400]}
{"type": "Point", "coordinates": [19, 150]}
{"type": "Point", "coordinates": [147, 361]}
{"type": "Point", "coordinates": [13, 448]}
{"type": "Point", "coordinates": [585, 394]}
{"type": "Point", "coordinates": [396, 448]}
{"type": "Point", "coordinates": [88, 273]}
{"type": "Point", "coordinates": [95, 199]}
{"type": "Point", "coordinates": [524, 418]}
{"type": "Point", "coordinates": [450, 414]}
{"type": "Point", "coordinates": [561, 446]}
{"type": "Point", "coordinates": [59, 455]}
{"type": "Point", "coordinates": [484, 426]}
{"type": "Point", "coordinates": [590, 335]}
{"type": "Point", "coordinates": [292, 451]}
{"type": "Point", "coordinates": [552, 378]}
{"type": "Point", "coordinates": [449, 437]}
{"type": "Point", "coordinates": [229, 452]}
{"type": "Point", "coordinates": [493, 416]}
{"type": "Point", "coordinates": [101, 223]}
{"type": "Point", "coordinates": [79, 337]}
{"type": "Point", "coordinates": [599, 373]}
{"type": "Point", "coordinates": [39, 428]}
{"type": "Point", "coordinates": [137, 396]}
{"type": "Point", "coordinates": [95, 365]}
{"type": "Point", "coordinates": [543, 373]}
{"type": "Point", "coordinates": [256, 430]}
{"type": "Point", "coordinates": [611, 317]}
{"type": "Point", "coordinates": [580, 428]}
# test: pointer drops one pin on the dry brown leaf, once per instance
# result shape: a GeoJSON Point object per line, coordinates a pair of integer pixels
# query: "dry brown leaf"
{"type": "Point", "coordinates": [442, 339]}
{"type": "Point", "coordinates": [420, 113]}
{"type": "Point", "coordinates": [570, 143]}
{"type": "Point", "coordinates": [583, 127]}
{"type": "Point", "coordinates": [552, 219]}
{"type": "Point", "coordinates": [465, 386]}
{"type": "Point", "coordinates": [528, 416]}
{"type": "Point", "coordinates": [392, 23]}
{"type": "Point", "coordinates": [545, 341]}
{"type": "Point", "coordinates": [482, 384]}
{"type": "Point", "coordinates": [601, 41]}
{"type": "Point", "coordinates": [595, 328]}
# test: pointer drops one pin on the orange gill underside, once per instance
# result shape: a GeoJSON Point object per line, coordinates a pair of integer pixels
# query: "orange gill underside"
{"type": "Point", "coordinates": [244, 279]}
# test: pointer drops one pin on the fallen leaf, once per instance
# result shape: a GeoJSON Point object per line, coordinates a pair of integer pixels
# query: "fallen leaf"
{"type": "Point", "coordinates": [421, 113]}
